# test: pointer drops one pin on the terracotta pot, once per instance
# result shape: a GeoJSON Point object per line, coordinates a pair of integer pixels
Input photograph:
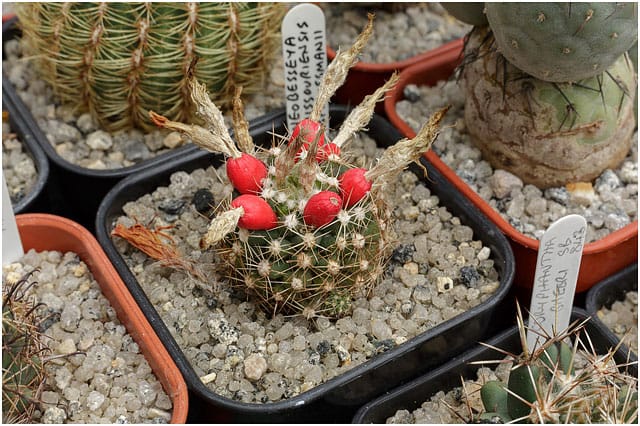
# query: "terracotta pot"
{"type": "Point", "coordinates": [364, 78]}
{"type": "Point", "coordinates": [600, 258]}
{"type": "Point", "coordinates": [49, 232]}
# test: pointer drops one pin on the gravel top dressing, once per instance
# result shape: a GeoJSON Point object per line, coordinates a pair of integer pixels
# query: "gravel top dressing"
{"type": "Point", "coordinates": [438, 270]}
{"type": "Point", "coordinates": [110, 381]}
{"type": "Point", "coordinates": [610, 205]}
{"type": "Point", "coordinates": [19, 169]}
{"type": "Point", "coordinates": [622, 319]}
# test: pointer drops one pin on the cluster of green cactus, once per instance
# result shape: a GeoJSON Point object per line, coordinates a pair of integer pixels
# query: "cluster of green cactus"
{"type": "Point", "coordinates": [549, 87]}
{"type": "Point", "coordinates": [119, 60]}
{"type": "Point", "coordinates": [551, 385]}
{"type": "Point", "coordinates": [22, 352]}
{"type": "Point", "coordinates": [309, 230]}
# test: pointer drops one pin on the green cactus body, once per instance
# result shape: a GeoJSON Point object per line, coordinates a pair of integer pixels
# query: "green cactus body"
{"type": "Point", "coordinates": [296, 268]}
{"type": "Point", "coordinates": [22, 352]}
{"type": "Point", "coordinates": [471, 13]}
{"type": "Point", "coordinates": [549, 134]}
{"type": "Point", "coordinates": [564, 41]}
{"type": "Point", "coordinates": [120, 60]}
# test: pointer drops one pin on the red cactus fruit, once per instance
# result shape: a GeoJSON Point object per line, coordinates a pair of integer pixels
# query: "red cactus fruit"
{"type": "Point", "coordinates": [327, 150]}
{"type": "Point", "coordinates": [309, 129]}
{"type": "Point", "coordinates": [258, 214]}
{"type": "Point", "coordinates": [353, 186]}
{"type": "Point", "coordinates": [322, 208]}
{"type": "Point", "coordinates": [246, 173]}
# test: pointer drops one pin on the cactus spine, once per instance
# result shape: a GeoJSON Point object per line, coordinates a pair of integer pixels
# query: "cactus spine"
{"type": "Point", "coordinates": [320, 252]}
{"type": "Point", "coordinates": [552, 384]}
{"type": "Point", "coordinates": [22, 352]}
{"type": "Point", "coordinates": [118, 60]}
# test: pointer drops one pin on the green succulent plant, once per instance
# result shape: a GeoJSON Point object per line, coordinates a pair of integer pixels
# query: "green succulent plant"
{"type": "Point", "coordinates": [22, 352]}
{"type": "Point", "coordinates": [547, 133]}
{"type": "Point", "coordinates": [119, 60]}
{"type": "Point", "coordinates": [563, 41]}
{"type": "Point", "coordinates": [562, 382]}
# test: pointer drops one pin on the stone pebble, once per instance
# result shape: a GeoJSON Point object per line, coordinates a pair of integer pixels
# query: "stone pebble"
{"type": "Point", "coordinates": [18, 166]}
{"type": "Point", "coordinates": [226, 337]}
{"type": "Point", "coordinates": [400, 32]}
{"type": "Point", "coordinates": [608, 205]}
{"type": "Point", "coordinates": [99, 374]}
{"type": "Point", "coordinates": [622, 318]}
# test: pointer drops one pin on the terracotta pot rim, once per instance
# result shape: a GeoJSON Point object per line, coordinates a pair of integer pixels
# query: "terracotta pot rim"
{"type": "Point", "coordinates": [72, 234]}
{"type": "Point", "coordinates": [389, 67]}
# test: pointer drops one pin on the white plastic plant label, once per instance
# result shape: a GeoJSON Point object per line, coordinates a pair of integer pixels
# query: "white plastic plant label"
{"type": "Point", "coordinates": [11, 244]}
{"type": "Point", "coordinates": [305, 60]}
{"type": "Point", "coordinates": [555, 279]}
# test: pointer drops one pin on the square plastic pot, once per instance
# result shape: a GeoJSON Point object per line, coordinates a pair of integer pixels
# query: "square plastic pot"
{"type": "Point", "coordinates": [75, 191]}
{"type": "Point", "coordinates": [37, 200]}
{"type": "Point", "coordinates": [49, 232]}
{"type": "Point", "coordinates": [610, 290]}
{"type": "Point", "coordinates": [411, 395]}
{"type": "Point", "coordinates": [600, 258]}
{"type": "Point", "coordinates": [337, 399]}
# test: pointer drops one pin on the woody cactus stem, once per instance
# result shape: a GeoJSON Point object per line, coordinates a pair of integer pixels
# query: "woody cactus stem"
{"type": "Point", "coordinates": [22, 352]}
{"type": "Point", "coordinates": [118, 60]}
{"type": "Point", "coordinates": [295, 244]}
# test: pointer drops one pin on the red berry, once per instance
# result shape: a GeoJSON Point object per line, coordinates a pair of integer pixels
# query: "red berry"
{"type": "Point", "coordinates": [309, 129]}
{"type": "Point", "coordinates": [246, 173]}
{"type": "Point", "coordinates": [322, 208]}
{"type": "Point", "coordinates": [353, 186]}
{"type": "Point", "coordinates": [327, 150]}
{"type": "Point", "coordinates": [258, 214]}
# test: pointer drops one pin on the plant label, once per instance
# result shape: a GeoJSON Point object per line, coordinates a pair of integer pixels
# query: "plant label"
{"type": "Point", "coordinates": [555, 279]}
{"type": "Point", "coordinates": [305, 60]}
{"type": "Point", "coordinates": [11, 244]}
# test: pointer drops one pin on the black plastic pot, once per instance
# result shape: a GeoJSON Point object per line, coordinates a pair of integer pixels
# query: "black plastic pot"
{"type": "Point", "coordinates": [609, 290]}
{"type": "Point", "coordinates": [337, 399]}
{"type": "Point", "coordinates": [37, 198]}
{"type": "Point", "coordinates": [75, 191]}
{"type": "Point", "coordinates": [411, 395]}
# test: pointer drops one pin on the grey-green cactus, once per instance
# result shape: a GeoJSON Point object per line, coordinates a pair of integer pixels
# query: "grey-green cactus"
{"type": "Point", "coordinates": [544, 386]}
{"type": "Point", "coordinates": [119, 60]}
{"type": "Point", "coordinates": [547, 133]}
{"type": "Point", "coordinates": [471, 13]}
{"type": "Point", "coordinates": [22, 352]}
{"type": "Point", "coordinates": [564, 41]}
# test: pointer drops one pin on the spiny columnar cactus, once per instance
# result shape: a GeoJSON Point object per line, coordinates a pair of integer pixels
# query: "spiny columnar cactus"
{"type": "Point", "coordinates": [22, 352]}
{"type": "Point", "coordinates": [551, 385]}
{"type": "Point", "coordinates": [309, 230]}
{"type": "Point", "coordinates": [118, 60]}
{"type": "Point", "coordinates": [563, 41]}
{"type": "Point", "coordinates": [547, 133]}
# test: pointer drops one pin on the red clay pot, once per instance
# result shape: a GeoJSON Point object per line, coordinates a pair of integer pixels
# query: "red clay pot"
{"type": "Point", "coordinates": [364, 78]}
{"type": "Point", "coordinates": [600, 258]}
{"type": "Point", "coordinates": [48, 232]}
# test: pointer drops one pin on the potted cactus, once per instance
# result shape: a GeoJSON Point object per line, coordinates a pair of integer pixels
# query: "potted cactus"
{"type": "Point", "coordinates": [270, 290]}
{"type": "Point", "coordinates": [94, 126]}
{"type": "Point", "coordinates": [579, 375]}
{"type": "Point", "coordinates": [25, 164]}
{"type": "Point", "coordinates": [556, 139]}
{"type": "Point", "coordinates": [65, 310]}
{"type": "Point", "coordinates": [614, 303]}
